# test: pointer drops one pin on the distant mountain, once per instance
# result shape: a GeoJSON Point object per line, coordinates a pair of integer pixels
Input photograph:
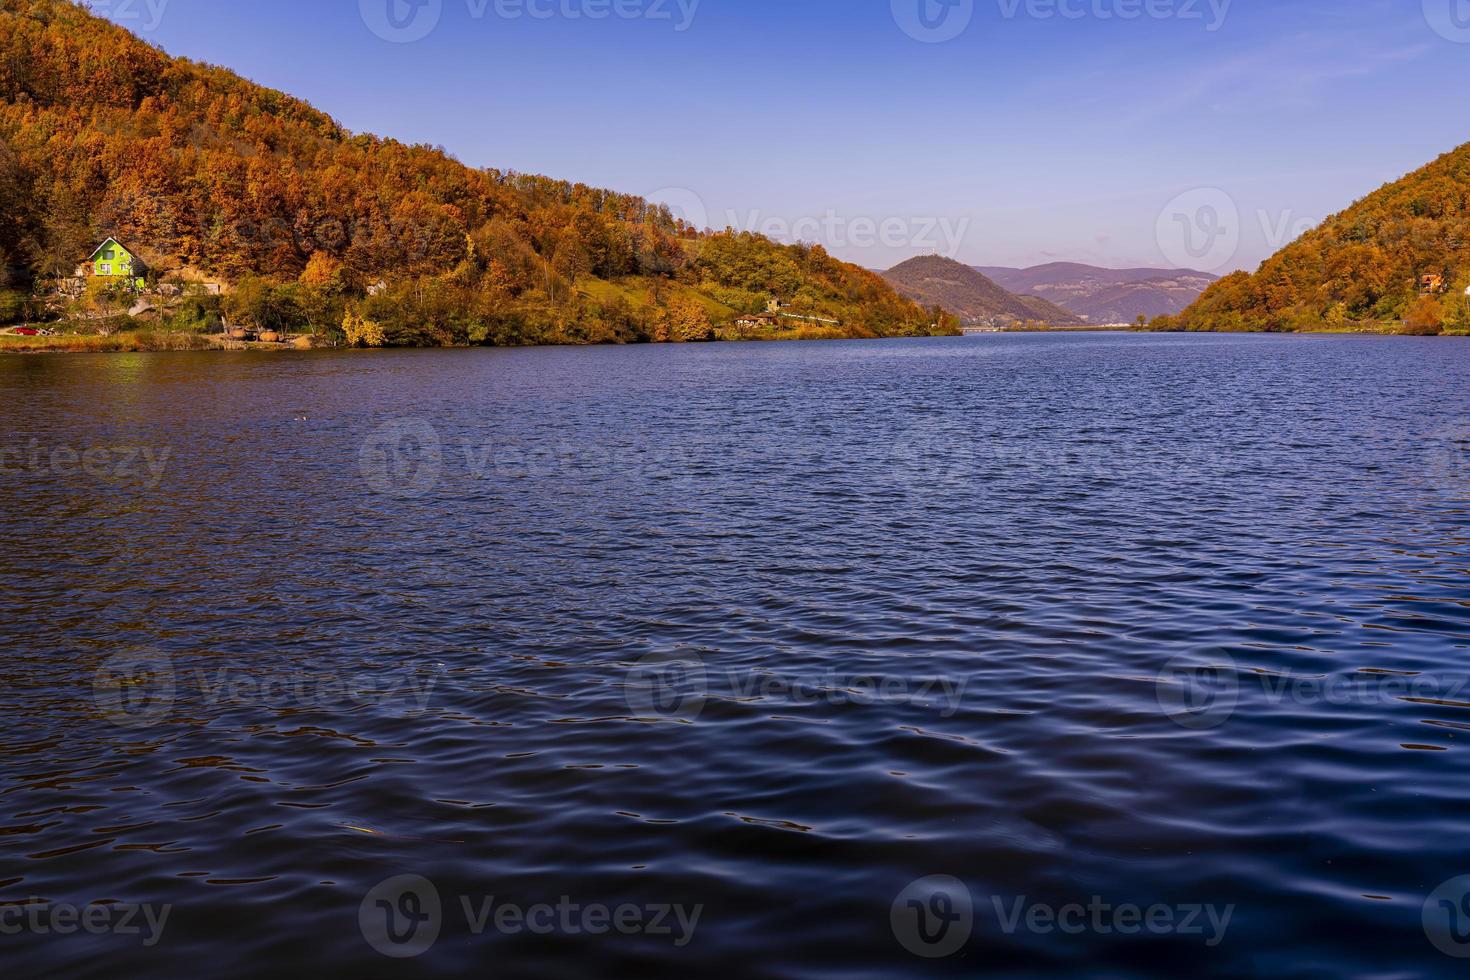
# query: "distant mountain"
{"type": "Point", "coordinates": [960, 289]}
{"type": "Point", "coordinates": [1400, 254]}
{"type": "Point", "coordinates": [1049, 312]}
{"type": "Point", "coordinates": [1106, 295]}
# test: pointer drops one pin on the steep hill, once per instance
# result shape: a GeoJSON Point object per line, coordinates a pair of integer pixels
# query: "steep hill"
{"type": "Point", "coordinates": [197, 169]}
{"type": "Point", "coordinates": [1106, 295]}
{"type": "Point", "coordinates": [1365, 265]}
{"type": "Point", "coordinates": [958, 288]}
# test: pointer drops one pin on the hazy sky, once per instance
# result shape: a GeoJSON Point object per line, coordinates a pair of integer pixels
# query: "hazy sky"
{"type": "Point", "coordinates": [1039, 130]}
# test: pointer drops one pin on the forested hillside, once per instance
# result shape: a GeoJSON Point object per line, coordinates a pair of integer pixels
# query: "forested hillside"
{"type": "Point", "coordinates": [1365, 266]}
{"type": "Point", "coordinates": [977, 300]}
{"type": "Point", "coordinates": [207, 175]}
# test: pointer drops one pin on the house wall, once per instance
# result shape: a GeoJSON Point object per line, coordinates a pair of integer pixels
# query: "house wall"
{"type": "Point", "coordinates": [114, 261]}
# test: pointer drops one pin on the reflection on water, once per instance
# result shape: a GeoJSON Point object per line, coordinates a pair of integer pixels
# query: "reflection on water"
{"type": "Point", "coordinates": [1109, 654]}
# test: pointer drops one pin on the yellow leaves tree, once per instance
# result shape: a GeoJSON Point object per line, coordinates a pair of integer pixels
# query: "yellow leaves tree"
{"type": "Point", "coordinates": [361, 332]}
{"type": "Point", "coordinates": [688, 320]}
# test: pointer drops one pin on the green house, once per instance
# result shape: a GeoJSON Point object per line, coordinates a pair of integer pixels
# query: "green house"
{"type": "Point", "coordinates": [114, 261]}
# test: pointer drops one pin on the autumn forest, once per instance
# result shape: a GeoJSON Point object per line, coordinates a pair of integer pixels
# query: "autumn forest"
{"type": "Point", "coordinates": [350, 237]}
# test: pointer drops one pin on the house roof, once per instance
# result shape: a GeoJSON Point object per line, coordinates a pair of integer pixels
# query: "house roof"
{"type": "Point", "coordinates": [111, 241]}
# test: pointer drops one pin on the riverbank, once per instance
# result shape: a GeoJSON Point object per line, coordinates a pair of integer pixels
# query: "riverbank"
{"type": "Point", "coordinates": [156, 340]}
{"type": "Point", "coordinates": [130, 342]}
{"type": "Point", "coordinates": [1385, 329]}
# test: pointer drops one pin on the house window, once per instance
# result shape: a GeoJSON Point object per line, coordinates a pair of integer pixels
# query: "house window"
{"type": "Point", "coordinates": [104, 269]}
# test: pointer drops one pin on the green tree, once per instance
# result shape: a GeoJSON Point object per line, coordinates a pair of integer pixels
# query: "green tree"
{"type": "Point", "coordinates": [1457, 311]}
{"type": "Point", "coordinates": [264, 305]}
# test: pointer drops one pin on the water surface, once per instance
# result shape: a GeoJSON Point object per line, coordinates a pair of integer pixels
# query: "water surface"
{"type": "Point", "coordinates": [770, 631]}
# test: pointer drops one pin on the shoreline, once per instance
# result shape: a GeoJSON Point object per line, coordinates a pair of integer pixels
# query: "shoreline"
{"type": "Point", "coordinates": [161, 342]}
{"type": "Point", "coordinates": [164, 342]}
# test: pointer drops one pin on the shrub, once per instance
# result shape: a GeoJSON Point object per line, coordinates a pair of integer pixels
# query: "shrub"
{"type": "Point", "coordinates": [264, 305]}
{"type": "Point", "coordinates": [1425, 319]}
{"type": "Point", "coordinates": [360, 332]}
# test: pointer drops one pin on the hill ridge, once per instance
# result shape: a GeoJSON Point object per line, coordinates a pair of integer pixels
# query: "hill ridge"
{"type": "Point", "coordinates": [1105, 295]}
{"type": "Point", "coordinates": [1366, 265]}
{"type": "Point", "coordinates": [197, 168]}
{"type": "Point", "coordinates": [978, 301]}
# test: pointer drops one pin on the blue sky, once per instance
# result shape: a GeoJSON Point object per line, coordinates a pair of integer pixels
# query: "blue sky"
{"type": "Point", "coordinates": [1043, 130]}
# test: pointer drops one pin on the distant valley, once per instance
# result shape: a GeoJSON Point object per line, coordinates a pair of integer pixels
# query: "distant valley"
{"type": "Point", "coordinates": [1105, 295]}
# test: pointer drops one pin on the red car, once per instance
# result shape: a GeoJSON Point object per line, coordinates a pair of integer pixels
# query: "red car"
{"type": "Point", "coordinates": [26, 332]}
